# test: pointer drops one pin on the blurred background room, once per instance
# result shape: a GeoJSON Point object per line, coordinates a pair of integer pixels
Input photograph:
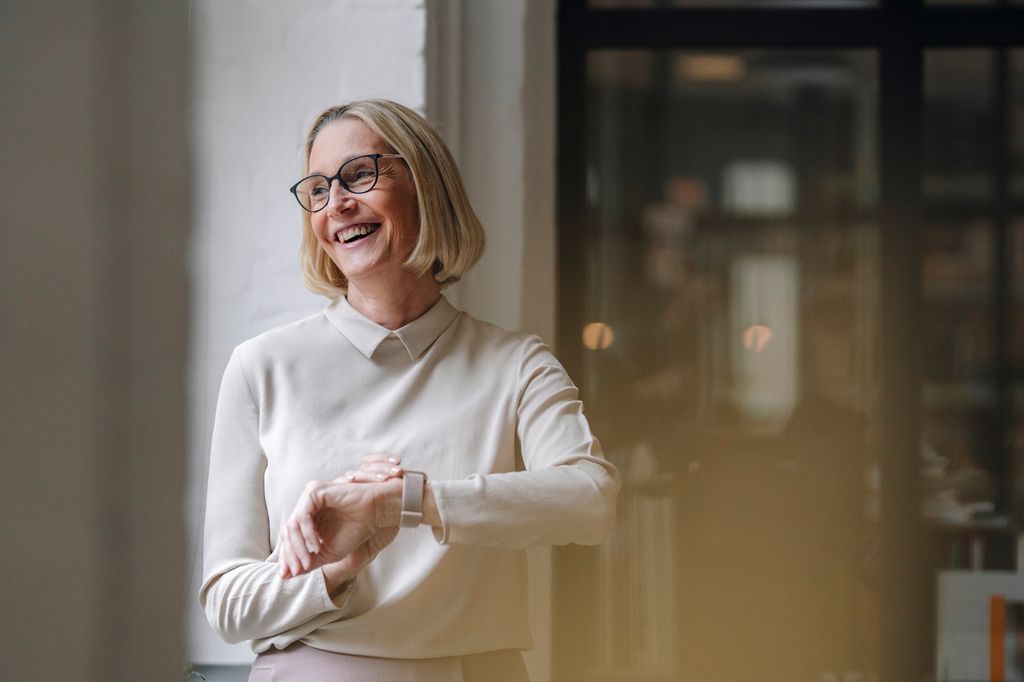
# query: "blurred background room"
{"type": "Point", "coordinates": [778, 244]}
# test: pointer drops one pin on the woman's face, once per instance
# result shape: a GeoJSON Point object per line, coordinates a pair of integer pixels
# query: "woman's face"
{"type": "Point", "coordinates": [387, 213]}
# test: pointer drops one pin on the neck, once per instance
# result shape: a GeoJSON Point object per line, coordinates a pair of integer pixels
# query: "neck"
{"type": "Point", "coordinates": [394, 304]}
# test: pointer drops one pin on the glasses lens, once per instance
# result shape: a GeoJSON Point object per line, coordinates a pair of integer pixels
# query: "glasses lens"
{"type": "Point", "coordinates": [360, 174]}
{"type": "Point", "coordinates": [313, 192]}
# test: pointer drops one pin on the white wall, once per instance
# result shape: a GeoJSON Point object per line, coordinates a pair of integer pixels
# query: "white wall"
{"type": "Point", "coordinates": [261, 72]}
{"type": "Point", "coordinates": [504, 137]}
{"type": "Point", "coordinates": [503, 120]}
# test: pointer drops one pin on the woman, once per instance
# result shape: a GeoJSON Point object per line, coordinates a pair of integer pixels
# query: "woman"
{"type": "Point", "coordinates": [390, 376]}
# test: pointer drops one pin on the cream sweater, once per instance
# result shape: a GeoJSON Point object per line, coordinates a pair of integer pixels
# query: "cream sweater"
{"type": "Point", "coordinates": [490, 416]}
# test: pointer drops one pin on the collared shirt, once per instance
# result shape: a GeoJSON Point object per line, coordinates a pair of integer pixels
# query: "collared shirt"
{"type": "Point", "coordinates": [490, 416]}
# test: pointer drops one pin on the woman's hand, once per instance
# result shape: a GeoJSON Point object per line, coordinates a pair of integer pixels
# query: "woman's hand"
{"type": "Point", "coordinates": [343, 571]}
{"type": "Point", "coordinates": [380, 466]}
{"type": "Point", "coordinates": [332, 521]}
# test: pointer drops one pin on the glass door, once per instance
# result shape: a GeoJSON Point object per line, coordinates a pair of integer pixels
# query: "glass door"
{"type": "Point", "coordinates": [789, 284]}
{"type": "Point", "coordinates": [731, 332]}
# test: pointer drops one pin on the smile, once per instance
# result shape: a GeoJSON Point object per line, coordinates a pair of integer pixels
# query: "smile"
{"type": "Point", "coordinates": [356, 232]}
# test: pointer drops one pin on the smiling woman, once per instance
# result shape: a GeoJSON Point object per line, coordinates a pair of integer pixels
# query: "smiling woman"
{"type": "Point", "coordinates": [449, 237]}
{"type": "Point", "coordinates": [368, 236]}
{"type": "Point", "coordinates": [318, 420]}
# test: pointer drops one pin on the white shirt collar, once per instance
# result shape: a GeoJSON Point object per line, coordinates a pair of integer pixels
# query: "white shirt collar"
{"type": "Point", "coordinates": [366, 335]}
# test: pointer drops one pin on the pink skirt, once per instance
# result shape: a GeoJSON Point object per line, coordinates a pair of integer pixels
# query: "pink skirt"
{"type": "Point", "coordinates": [301, 663]}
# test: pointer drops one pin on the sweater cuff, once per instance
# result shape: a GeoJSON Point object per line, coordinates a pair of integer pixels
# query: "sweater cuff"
{"type": "Point", "coordinates": [440, 490]}
{"type": "Point", "coordinates": [339, 599]}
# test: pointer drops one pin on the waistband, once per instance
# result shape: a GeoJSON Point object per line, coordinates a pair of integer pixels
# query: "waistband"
{"type": "Point", "coordinates": [302, 663]}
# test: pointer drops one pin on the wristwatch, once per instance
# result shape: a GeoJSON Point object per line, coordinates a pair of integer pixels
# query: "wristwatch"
{"type": "Point", "coordinates": [413, 483]}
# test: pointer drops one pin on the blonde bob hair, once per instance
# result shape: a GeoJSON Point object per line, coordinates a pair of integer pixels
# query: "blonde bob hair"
{"type": "Point", "coordinates": [451, 238]}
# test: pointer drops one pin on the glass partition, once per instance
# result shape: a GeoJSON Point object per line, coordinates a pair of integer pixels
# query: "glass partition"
{"type": "Point", "coordinates": [730, 363]}
{"type": "Point", "coordinates": [971, 443]}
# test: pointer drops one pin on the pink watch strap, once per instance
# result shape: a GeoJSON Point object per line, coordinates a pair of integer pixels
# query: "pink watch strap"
{"type": "Point", "coordinates": [413, 483]}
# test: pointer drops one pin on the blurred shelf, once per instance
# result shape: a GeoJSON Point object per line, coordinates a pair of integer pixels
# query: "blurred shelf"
{"type": "Point", "coordinates": [976, 394]}
{"type": "Point", "coordinates": [958, 395]}
{"type": "Point", "coordinates": [997, 525]}
{"type": "Point", "coordinates": [967, 292]}
{"type": "Point", "coordinates": [973, 292]}
{"type": "Point", "coordinates": [953, 211]}
{"type": "Point", "coordinates": [723, 221]}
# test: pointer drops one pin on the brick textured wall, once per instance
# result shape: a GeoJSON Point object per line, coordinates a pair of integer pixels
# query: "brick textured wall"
{"type": "Point", "coordinates": [260, 71]}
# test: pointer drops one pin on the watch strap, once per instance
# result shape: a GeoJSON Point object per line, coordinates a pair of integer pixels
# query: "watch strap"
{"type": "Point", "coordinates": [413, 483]}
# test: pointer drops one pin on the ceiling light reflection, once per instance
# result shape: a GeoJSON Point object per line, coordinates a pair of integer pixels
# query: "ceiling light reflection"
{"type": "Point", "coordinates": [710, 67]}
{"type": "Point", "coordinates": [598, 336]}
{"type": "Point", "coordinates": [756, 337]}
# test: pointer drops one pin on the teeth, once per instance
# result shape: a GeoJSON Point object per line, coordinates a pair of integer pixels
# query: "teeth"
{"type": "Point", "coordinates": [356, 231]}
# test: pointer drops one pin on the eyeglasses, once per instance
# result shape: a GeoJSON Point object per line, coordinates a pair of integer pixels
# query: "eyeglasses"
{"type": "Point", "coordinates": [358, 176]}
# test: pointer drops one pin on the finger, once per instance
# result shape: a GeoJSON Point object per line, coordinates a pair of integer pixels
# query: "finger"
{"type": "Point", "coordinates": [283, 553]}
{"type": "Point", "coordinates": [291, 562]}
{"type": "Point", "coordinates": [389, 470]}
{"type": "Point", "coordinates": [298, 544]}
{"type": "Point", "coordinates": [302, 523]}
{"type": "Point", "coordinates": [382, 457]}
{"type": "Point", "coordinates": [287, 554]}
{"type": "Point", "coordinates": [365, 477]}
{"type": "Point", "coordinates": [309, 535]}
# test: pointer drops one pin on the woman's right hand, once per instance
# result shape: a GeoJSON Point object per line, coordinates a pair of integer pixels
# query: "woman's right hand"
{"type": "Point", "coordinates": [332, 520]}
{"type": "Point", "coordinates": [374, 468]}
{"type": "Point", "coordinates": [340, 572]}
{"type": "Point", "coordinates": [326, 528]}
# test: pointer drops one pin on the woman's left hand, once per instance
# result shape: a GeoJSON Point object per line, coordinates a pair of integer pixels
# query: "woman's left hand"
{"type": "Point", "coordinates": [377, 467]}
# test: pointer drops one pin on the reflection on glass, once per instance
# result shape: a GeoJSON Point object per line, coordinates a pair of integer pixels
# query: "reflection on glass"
{"type": "Point", "coordinates": [1015, 265]}
{"type": "Point", "coordinates": [971, 429]}
{"type": "Point", "coordinates": [598, 336]}
{"type": "Point", "coordinates": [958, 265]}
{"type": "Point", "coordinates": [732, 246]}
{"type": "Point", "coordinates": [764, 304]}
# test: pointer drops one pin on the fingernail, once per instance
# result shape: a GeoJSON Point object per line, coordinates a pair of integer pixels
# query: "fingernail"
{"type": "Point", "coordinates": [380, 476]}
{"type": "Point", "coordinates": [349, 476]}
{"type": "Point", "coordinates": [394, 460]}
{"type": "Point", "coordinates": [395, 470]}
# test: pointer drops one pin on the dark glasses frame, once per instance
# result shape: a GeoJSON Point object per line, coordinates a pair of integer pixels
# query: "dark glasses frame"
{"type": "Point", "coordinates": [337, 176]}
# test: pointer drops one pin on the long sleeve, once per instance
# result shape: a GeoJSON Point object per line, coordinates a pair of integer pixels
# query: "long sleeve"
{"type": "Point", "coordinates": [492, 418]}
{"type": "Point", "coordinates": [567, 492]}
{"type": "Point", "coordinates": [242, 594]}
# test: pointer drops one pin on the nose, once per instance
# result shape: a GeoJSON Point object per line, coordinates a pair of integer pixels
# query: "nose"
{"type": "Point", "coordinates": [340, 199]}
